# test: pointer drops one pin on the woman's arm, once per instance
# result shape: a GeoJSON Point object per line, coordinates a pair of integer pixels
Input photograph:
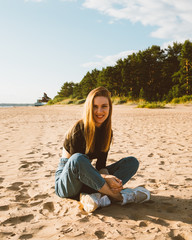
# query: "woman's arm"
{"type": "Point", "coordinates": [114, 183]}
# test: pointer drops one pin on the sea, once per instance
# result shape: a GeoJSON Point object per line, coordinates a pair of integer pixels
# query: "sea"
{"type": "Point", "coordinates": [16, 104]}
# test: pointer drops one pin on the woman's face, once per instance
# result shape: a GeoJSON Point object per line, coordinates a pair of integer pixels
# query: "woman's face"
{"type": "Point", "coordinates": [100, 109]}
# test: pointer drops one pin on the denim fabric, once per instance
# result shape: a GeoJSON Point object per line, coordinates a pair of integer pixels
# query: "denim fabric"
{"type": "Point", "coordinates": [77, 174]}
{"type": "Point", "coordinates": [124, 169]}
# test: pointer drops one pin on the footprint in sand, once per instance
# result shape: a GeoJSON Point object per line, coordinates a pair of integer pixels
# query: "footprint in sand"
{"type": "Point", "coordinates": [140, 175]}
{"type": "Point", "coordinates": [47, 208]}
{"type": "Point", "coordinates": [22, 196]}
{"type": "Point", "coordinates": [40, 196]}
{"type": "Point", "coordinates": [17, 220]}
{"type": "Point", "coordinates": [25, 165]}
{"type": "Point", "coordinates": [173, 186]}
{"type": "Point", "coordinates": [143, 224]}
{"type": "Point", "coordinates": [150, 155]}
{"type": "Point", "coordinates": [162, 163]}
{"type": "Point", "coordinates": [32, 204]}
{"type": "Point", "coordinates": [26, 236]}
{"type": "Point", "coordinates": [33, 152]}
{"type": "Point", "coordinates": [84, 219]}
{"type": "Point", "coordinates": [175, 234]}
{"type": "Point", "coordinates": [34, 164]}
{"type": "Point", "coordinates": [152, 180]}
{"type": "Point", "coordinates": [4, 208]}
{"type": "Point", "coordinates": [48, 154]}
{"type": "Point", "coordinates": [161, 169]}
{"type": "Point", "coordinates": [53, 208]}
{"type": "Point", "coordinates": [21, 190]}
{"type": "Point", "coordinates": [100, 234]}
{"type": "Point", "coordinates": [7, 234]}
{"type": "Point", "coordinates": [1, 180]}
{"type": "Point", "coordinates": [67, 230]}
{"type": "Point", "coordinates": [48, 175]}
{"type": "Point", "coordinates": [15, 186]}
{"type": "Point", "coordinates": [188, 179]}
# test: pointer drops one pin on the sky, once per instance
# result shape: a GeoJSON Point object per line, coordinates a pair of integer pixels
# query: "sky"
{"type": "Point", "coordinates": [45, 43]}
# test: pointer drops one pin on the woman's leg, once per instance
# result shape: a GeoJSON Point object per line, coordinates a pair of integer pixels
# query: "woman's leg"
{"type": "Point", "coordinates": [77, 171]}
{"type": "Point", "coordinates": [124, 169]}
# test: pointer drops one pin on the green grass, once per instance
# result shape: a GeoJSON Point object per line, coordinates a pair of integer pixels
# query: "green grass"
{"type": "Point", "coordinates": [67, 101]}
{"type": "Point", "coordinates": [122, 100]}
{"type": "Point", "coordinates": [80, 101]}
{"type": "Point", "coordinates": [184, 99]}
{"type": "Point", "coordinates": [151, 105]}
{"type": "Point", "coordinates": [118, 100]}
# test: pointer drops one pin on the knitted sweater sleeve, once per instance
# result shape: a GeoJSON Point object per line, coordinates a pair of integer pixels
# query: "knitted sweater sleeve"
{"type": "Point", "coordinates": [74, 141]}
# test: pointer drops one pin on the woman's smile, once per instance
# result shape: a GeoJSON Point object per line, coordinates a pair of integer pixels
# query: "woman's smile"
{"type": "Point", "coordinates": [100, 109]}
{"type": "Point", "coordinates": [98, 116]}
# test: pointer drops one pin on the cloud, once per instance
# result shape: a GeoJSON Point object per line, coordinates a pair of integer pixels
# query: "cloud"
{"type": "Point", "coordinates": [172, 18]}
{"type": "Point", "coordinates": [107, 61]}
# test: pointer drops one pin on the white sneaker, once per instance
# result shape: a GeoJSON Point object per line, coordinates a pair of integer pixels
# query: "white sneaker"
{"type": "Point", "coordinates": [136, 195]}
{"type": "Point", "coordinates": [141, 194]}
{"type": "Point", "coordinates": [92, 201]}
{"type": "Point", "coordinates": [128, 196]}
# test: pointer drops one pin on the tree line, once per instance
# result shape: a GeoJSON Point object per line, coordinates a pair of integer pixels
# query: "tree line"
{"type": "Point", "coordinates": [154, 74]}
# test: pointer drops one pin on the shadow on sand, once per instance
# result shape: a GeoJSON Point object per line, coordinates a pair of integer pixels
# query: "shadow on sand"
{"type": "Point", "coordinates": [157, 210]}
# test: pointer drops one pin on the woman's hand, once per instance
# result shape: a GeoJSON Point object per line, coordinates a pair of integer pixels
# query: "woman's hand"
{"type": "Point", "coordinates": [114, 183]}
{"type": "Point", "coordinates": [65, 154]}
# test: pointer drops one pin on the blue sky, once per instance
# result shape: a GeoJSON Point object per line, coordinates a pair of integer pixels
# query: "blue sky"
{"type": "Point", "coordinates": [44, 43]}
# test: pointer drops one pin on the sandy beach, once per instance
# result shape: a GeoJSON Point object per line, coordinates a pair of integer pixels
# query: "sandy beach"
{"type": "Point", "coordinates": [31, 141]}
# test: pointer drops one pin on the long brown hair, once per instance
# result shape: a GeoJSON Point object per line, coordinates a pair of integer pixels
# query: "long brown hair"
{"type": "Point", "coordinates": [89, 123]}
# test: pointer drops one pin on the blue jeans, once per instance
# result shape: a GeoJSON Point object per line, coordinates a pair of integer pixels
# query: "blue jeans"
{"type": "Point", "coordinates": [77, 174]}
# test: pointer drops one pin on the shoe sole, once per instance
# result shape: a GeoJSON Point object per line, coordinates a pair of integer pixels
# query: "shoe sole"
{"type": "Point", "coordinates": [88, 202]}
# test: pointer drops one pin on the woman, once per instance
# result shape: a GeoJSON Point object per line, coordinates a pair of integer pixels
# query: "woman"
{"type": "Point", "coordinates": [90, 138]}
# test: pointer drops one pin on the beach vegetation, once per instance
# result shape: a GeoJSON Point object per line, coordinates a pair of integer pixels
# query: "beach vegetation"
{"type": "Point", "coordinates": [64, 101]}
{"type": "Point", "coordinates": [184, 99]}
{"type": "Point", "coordinates": [80, 101]}
{"type": "Point", "coordinates": [119, 100]}
{"type": "Point", "coordinates": [151, 75]}
{"type": "Point", "coordinates": [151, 105]}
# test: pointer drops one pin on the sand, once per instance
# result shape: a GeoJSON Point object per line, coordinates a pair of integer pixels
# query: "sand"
{"type": "Point", "coordinates": [30, 147]}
